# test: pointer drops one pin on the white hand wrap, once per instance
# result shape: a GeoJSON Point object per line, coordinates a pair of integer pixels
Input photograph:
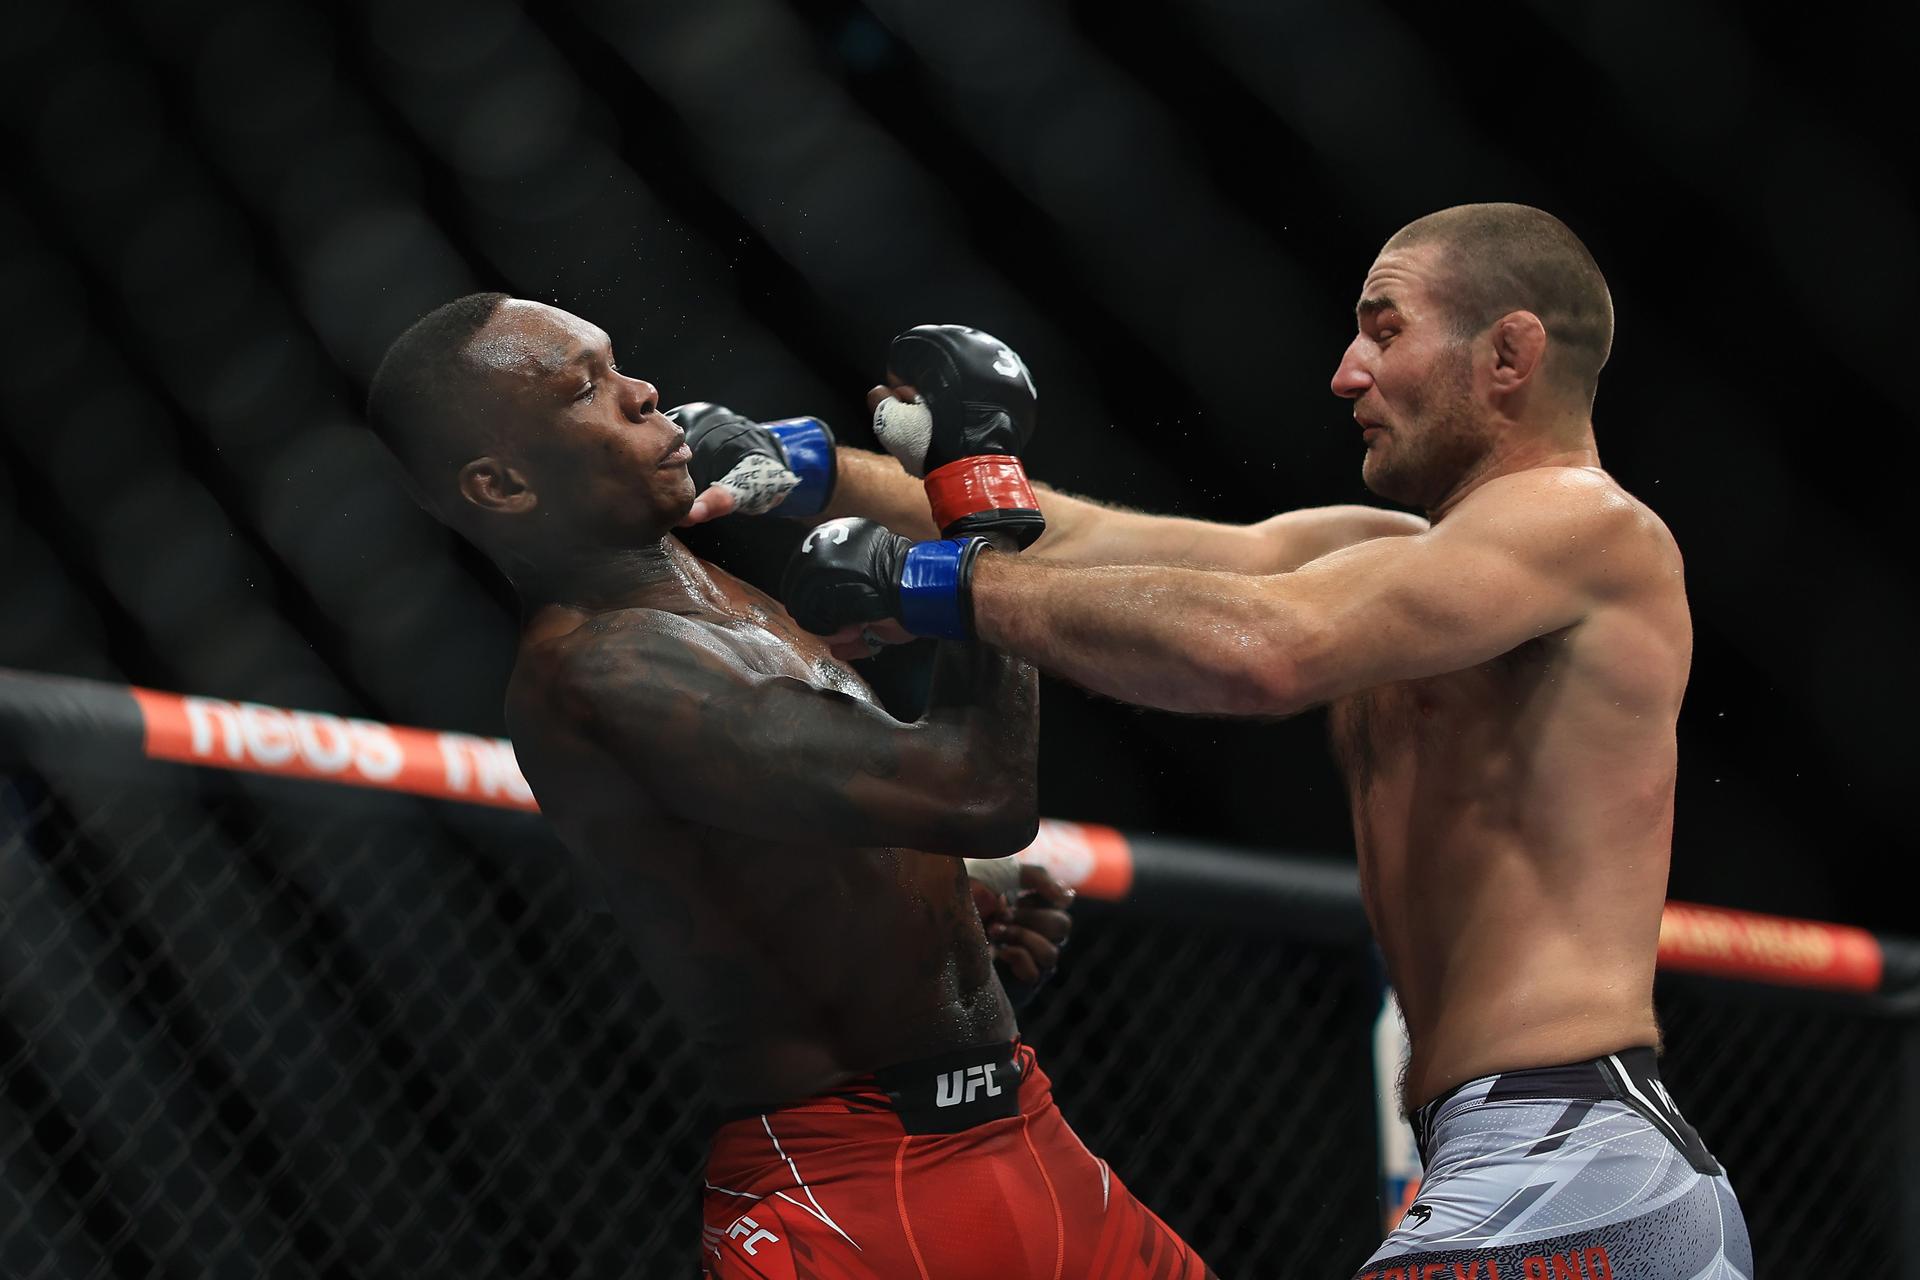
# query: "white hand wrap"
{"type": "Point", "coordinates": [905, 429]}
{"type": "Point", "coordinates": [758, 484]}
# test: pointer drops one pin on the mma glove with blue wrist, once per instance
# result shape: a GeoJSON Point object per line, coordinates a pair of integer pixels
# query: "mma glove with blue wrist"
{"type": "Point", "coordinates": [851, 571]}
{"type": "Point", "coordinates": [788, 464]}
{"type": "Point", "coordinates": [974, 411]}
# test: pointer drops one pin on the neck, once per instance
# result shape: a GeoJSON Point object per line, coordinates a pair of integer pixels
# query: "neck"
{"type": "Point", "coordinates": [657, 575]}
{"type": "Point", "coordinates": [1515, 451]}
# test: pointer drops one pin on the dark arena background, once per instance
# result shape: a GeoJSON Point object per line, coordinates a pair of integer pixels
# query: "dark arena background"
{"type": "Point", "coordinates": [257, 1026]}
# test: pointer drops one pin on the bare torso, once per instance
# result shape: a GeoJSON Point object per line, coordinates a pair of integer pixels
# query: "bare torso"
{"type": "Point", "coordinates": [792, 965]}
{"type": "Point", "coordinates": [1513, 823]}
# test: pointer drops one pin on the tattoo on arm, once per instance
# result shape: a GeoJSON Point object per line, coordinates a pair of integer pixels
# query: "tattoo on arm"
{"type": "Point", "coordinates": [720, 744]}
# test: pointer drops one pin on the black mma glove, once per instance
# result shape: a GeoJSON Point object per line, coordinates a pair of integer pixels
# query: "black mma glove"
{"type": "Point", "coordinates": [787, 464]}
{"type": "Point", "coordinates": [853, 571]}
{"type": "Point", "coordinates": [974, 414]}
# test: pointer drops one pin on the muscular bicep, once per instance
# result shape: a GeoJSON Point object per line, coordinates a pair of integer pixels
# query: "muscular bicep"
{"type": "Point", "coordinates": [1483, 582]}
{"type": "Point", "coordinates": [1294, 538]}
{"type": "Point", "coordinates": [713, 742]}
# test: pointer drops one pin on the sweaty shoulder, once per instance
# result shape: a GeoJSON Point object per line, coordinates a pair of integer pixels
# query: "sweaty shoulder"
{"type": "Point", "coordinates": [1577, 522]}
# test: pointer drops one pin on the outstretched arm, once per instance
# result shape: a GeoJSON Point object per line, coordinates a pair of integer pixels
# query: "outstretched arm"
{"type": "Point", "coordinates": [1081, 531]}
{"type": "Point", "coordinates": [715, 742]}
{"type": "Point", "coordinates": [1517, 560]}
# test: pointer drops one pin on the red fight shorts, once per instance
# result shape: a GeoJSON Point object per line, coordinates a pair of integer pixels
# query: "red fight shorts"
{"type": "Point", "coordinates": [954, 1168]}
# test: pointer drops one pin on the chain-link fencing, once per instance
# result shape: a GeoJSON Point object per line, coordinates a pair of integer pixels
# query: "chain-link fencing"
{"type": "Point", "coordinates": [255, 1027]}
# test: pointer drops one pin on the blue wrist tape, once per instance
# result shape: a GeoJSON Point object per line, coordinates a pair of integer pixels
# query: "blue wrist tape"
{"type": "Point", "coordinates": [933, 596]}
{"type": "Point", "coordinates": [809, 449]}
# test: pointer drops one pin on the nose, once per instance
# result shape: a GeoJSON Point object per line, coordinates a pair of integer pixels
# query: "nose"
{"type": "Point", "coordinates": [638, 397]}
{"type": "Point", "coordinates": [1352, 380]}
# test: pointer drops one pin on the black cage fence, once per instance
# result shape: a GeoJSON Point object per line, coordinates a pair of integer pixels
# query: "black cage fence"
{"type": "Point", "coordinates": [255, 1027]}
{"type": "Point", "coordinates": [250, 1037]}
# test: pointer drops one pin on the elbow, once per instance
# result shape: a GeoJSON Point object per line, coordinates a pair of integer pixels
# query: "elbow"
{"type": "Point", "coordinates": [1277, 689]}
{"type": "Point", "coordinates": [1260, 679]}
{"type": "Point", "coordinates": [1015, 830]}
{"type": "Point", "coordinates": [1007, 823]}
{"type": "Point", "coordinates": [1002, 794]}
{"type": "Point", "coordinates": [996, 821]}
{"type": "Point", "coordinates": [1396, 524]}
{"type": "Point", "coordinates": [1368, 523]}
{"type": "Point", "coordinates": [1000, 839]}
{"type": "Point", "coordinates": [979, 831]}
{"type": "Point", "coordinates": [1299, 667]}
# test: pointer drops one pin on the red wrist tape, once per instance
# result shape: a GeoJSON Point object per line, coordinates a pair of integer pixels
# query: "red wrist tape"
{"type": "Point", "coordinates": [988, 482]}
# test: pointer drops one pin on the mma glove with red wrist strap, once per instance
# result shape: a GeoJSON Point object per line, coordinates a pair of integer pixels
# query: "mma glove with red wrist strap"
{"type": "Point", "coordinates": [974, 414]}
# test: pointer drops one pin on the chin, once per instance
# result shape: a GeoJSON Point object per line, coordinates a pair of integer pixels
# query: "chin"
{"type": "Point", "coordinates": [1375, 474]}
{"type": "Point", "coordinates": [1385, 482]}
{"type": "Point", "coordinates": [659, 511]}
{"type": "Point", "coordinates": [678, 499]}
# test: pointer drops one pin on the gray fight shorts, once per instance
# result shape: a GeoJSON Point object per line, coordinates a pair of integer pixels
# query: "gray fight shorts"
{"type": "Point", "coordinates": [1581, 1172]}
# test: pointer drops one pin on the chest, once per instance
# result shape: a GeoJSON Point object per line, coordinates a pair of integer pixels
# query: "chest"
{"type": "Point", "coordinates": [1440, 715]}
{"type": "Point", "coordinates": [776, 644]}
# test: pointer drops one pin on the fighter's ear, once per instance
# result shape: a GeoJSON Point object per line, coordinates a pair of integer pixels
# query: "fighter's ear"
{"type": "Point", "coordinates": [1519, 348]}
{"type": "Point", "coordinates": [492, 485]}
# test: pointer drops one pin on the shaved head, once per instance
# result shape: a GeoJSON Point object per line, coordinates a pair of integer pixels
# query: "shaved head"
{"type": "Point", "coordinates": [517, 429]}
{"type": "Point", "coordinates": [1495, 259]}
{"type": "Point", "coordinates": [421, 401]}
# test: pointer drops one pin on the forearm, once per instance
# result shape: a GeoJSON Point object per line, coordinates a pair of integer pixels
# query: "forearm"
{"type": "Point", "coordinates": [1080, 530]}
{"type": "Point", "coordinates": [874, 486]}
{"type": "Point", "coordinates": [1188, 640]}
{"type": "Point", "coordinates": [985, 702]}
{"type": "Point", "coordinates": [990, 701]}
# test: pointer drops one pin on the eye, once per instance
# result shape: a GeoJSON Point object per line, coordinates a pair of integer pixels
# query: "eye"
{"type": "Point", "coordinates": [586, 393]}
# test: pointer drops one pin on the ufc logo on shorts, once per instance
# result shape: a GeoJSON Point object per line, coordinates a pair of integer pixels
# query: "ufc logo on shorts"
{"type": "Point", "coordinates": [952, 1084]}
{"type": "Point", "coordinates": [756, 1235]}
